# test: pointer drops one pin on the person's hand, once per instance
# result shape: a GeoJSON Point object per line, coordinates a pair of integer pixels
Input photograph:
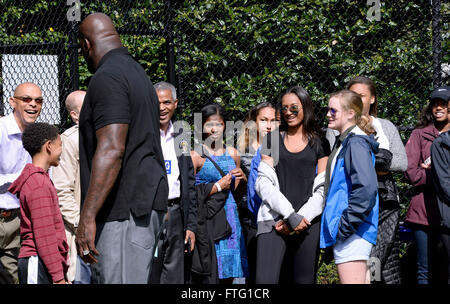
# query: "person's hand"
{"type": "Point", "coordinates": [282, 227]}
{"type": "Point", "coordinates": [60, 282]}
{"type": "Point", "coordinates": [381, 173]}
{"type": "Point", "coordinates": [190, 235]}
{"type": "Point", "coordinates": [239, 174]}
{"type": "Point", "coordinates": [85, 240]}
{"type": "Point", "coordinates": [304, 224]}
{"type": "Point", "coordinates": [425, 166]}
{"type": "Point", "coordinates": [225, 182]}
{"type": "Point", "coordinates": [267, 159]}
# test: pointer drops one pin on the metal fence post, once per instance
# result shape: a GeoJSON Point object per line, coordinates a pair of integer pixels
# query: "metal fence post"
{"type": "Point", "coordinates": [437, 45]}
{"type": "Point", "coordinates": [62, 80]}
{"type": "Point", "coordinates": [73, 53]}
{"type": "Point", "coordinates": [169, 44]}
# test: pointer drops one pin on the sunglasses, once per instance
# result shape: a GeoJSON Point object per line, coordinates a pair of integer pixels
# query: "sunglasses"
{"type": "Point", "coordinates": [292, 109]}
{"type": "Point", "coordinates": [27, 99]}
{"type": "Point", "coordinates": [332, 111]}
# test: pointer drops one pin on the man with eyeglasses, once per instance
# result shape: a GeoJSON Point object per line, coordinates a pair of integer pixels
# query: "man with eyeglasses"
{"type": "Point", "coordinates": [26, 104]}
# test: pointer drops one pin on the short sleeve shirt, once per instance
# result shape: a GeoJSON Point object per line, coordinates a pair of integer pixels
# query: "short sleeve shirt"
{"type": "Point", "coordinates": [120, 92]}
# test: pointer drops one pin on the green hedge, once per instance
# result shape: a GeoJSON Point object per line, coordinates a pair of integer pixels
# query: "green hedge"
{"type": "Point", "coordinates": [243, 52]}
{"type": "Point", "coordinates": [240, 53]}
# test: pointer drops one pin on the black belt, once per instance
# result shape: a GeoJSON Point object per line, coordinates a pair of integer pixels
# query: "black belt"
{"type": "Point", "coordinates": [4, 213]}
{"type": "Point", "coordinates": [174, 201]}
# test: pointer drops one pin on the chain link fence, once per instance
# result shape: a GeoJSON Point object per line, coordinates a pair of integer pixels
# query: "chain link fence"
{"type": "Point", "coordinates": [238, 53]}
{"type": "Point", "coordinates": [38, 43]}
{"type": "Point", "coordinates": [31, 49]}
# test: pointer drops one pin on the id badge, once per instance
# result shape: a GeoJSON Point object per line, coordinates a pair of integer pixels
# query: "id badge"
{"type": "Point", "coordinates": [168, 164]}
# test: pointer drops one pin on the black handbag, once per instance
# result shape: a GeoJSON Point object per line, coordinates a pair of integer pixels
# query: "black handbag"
{"type": "Point", "coordinates": [216, 212]}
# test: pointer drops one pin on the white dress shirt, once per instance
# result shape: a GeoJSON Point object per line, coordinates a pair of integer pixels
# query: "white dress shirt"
{"type": "Point", "coordinates": [171, 162]}
{"type": "Point", "coordinates": [13, 158]}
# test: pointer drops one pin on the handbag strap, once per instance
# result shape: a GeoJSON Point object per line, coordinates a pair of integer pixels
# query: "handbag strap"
{"type": "Point", "coordinates": [218, 167]}
{"type": "Point", "coordinates": [206, 154]}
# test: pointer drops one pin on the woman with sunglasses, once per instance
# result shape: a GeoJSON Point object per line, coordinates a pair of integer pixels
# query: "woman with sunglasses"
{"type": "Point", "coordinates": [290, 184]}
{"type": "Point", "coordinates": [350, 217]}
{"type": "Point", "coordinates": [390, 158]}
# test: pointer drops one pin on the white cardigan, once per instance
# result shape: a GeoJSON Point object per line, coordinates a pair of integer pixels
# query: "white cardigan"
{"type": "Point", "coordinates": [275, 205]}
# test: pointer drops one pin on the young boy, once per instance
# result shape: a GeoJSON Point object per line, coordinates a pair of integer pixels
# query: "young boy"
{"type": "Point", "coordinates": [43, 256]}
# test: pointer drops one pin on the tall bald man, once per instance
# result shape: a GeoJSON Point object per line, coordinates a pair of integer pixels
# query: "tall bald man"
{"type": "Point", "coordinates": [26, 104]}
{"type": "Point", "coordinates": [66, 178]}
{"type": "Point", "coordinates": [123, 178]}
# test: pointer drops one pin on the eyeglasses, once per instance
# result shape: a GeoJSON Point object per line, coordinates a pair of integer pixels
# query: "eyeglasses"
{"type": "Point", "coordinates": [27, 99]}
{"type": "Point", "coordinates": [292, 109]}
{"type": "Point", "coordinates": [332, 111]}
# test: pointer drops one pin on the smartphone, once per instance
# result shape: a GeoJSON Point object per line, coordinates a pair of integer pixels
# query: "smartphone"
{"type": "Point", "coordinates": [187, 246]}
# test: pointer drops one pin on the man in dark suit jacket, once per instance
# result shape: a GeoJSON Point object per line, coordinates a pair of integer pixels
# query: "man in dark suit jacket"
{"type": "Point", "coordinates": [179, 236]}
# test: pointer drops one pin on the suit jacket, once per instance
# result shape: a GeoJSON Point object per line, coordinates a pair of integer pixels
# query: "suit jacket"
{"type": "Point", "coordinates": [66, 178]}
{"type": "Point", "coordinates": [187, 180]}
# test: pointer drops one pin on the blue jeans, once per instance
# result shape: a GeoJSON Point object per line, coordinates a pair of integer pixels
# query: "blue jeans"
{"type": "Point", "coordinates": [83, 272]}
{"type": "Point", "coordinates": [426, 243]}
{"type": "Point", "coordinates": [445, 237]}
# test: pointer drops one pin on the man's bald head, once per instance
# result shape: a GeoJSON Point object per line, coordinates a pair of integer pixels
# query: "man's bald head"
{"type": "Point", "coordinates": [98, 36]}
{"type": "Point", "coordinates": [26, 104]}
{"type": "Point", "coordinates": [99, 27]}
{"type": "Point", "coordinates": [25, 87]}
{"type": "Point", "coordinates": [74, 102]}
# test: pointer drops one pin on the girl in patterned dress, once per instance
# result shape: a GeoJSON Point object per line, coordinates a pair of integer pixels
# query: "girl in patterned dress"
{"type": "Point", "coordinates": [230, 250]}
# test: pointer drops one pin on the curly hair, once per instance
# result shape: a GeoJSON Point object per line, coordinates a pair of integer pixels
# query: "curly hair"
{"type": "Point", "coordinates": [36, 135]}
{"type": "Point", "coordinates": [426, 115]}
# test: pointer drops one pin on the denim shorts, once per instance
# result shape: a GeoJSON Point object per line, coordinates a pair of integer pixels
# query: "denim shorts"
{"type": "Point", "coordinates": [355, 248]}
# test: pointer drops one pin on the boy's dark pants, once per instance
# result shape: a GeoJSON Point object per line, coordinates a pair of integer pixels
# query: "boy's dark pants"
{"type": "Point", "coordinates": [25, 274]}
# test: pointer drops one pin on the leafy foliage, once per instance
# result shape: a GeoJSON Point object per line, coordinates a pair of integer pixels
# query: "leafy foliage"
{"type": "Point", "coordinates": [240, 53]}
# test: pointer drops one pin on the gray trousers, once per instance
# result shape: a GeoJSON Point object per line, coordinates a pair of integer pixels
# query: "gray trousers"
{"type": "Point", "coordinates": [126, 249]}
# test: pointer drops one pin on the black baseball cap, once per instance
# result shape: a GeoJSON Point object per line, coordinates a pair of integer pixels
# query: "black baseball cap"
{"type": "Point", "coordinates": [441, 93]}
